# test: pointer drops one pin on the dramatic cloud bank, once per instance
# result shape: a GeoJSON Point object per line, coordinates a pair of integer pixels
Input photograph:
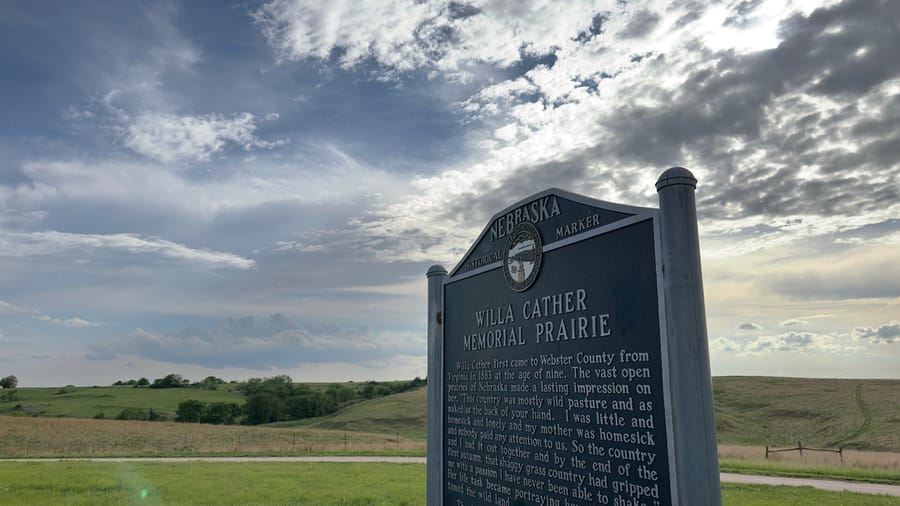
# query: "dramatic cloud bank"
{"type": "Point", "coordinates": [260, 189]}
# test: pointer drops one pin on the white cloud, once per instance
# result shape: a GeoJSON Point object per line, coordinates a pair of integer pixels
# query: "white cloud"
{"type": "Point", "coordinates": [53, 242]}
{"type": "Point", "coordinates": [54, 182]}
{"type": "Point", "coordinates": [550, 113]}
{"type": "Point", "coordinates": [888, 333]}
{"type": "Point", "coordinates": [568, 114]}
{"type": "Point", "coordinates": [298, 246]}
{"type": "Point", "coordinates": [12, 309]}
{"type": "Point", "coordinates": [804, 320]}
{"type": "Point", "coordinates": [69, 322]}
{"type": "Point", "coordinates": [790, 342]}
{"type": "Point", "coordinates": [723, 344]}
{"type": "Point", "coordinates": [890, 238]}
{"type": "Point", "coordinates": [787, 230]}
{"type": "Point", "coordinates": [507, 133]}
{"type": "Point", "coordinates": [552, 97]}
{"type": "Point", "coordinates": [440, 36]}
{"type": "Point", "coordinates": [9, 309]}
{"type": "Point", "coordinates": [135, 72]}
{"type": "Point", "coordinates": [269, 342]}
{"type": "Point", "coordinates": [170, 138]}
{"type": "Point", "coordinates": [315, 174]}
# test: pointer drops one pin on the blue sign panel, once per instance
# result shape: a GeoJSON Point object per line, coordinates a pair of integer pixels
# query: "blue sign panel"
{"type": "Point", "coordinates": [555, 384]}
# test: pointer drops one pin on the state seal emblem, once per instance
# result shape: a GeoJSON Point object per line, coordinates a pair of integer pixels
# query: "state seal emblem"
{"type": "Point", "coordinates": [522, 257]}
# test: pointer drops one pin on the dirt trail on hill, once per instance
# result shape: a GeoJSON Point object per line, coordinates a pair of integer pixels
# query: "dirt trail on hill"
{"type": "Point", "coordinates": [867, 419]}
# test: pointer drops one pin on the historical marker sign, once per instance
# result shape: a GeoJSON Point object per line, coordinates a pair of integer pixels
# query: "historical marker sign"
{"type": "Point", "coordinates": [555, 384]}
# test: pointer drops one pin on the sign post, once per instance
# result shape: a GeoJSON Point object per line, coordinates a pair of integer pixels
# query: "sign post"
{"type": "Point", "coordinates": [691, 381]}
{"type": "Point", "coordinates": [436, 276]}
{"type": "Point", "coordinates": [550, 375]}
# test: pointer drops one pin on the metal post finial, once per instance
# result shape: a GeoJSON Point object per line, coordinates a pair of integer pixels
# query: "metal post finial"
{"type": "Point", "coordinates": [676, 176]}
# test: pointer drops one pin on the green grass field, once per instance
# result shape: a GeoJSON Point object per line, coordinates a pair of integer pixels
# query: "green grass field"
{"type": "Point", "coordinates": [85, 483]}
{"type": "Point", "coordinates": [757, 411]}
{"type": "Point", "coordinates": [734, 494]}
{"type": "Point", "coordinates": [751, 412]}
{"type": "Point", "coordinates": [197, 483]}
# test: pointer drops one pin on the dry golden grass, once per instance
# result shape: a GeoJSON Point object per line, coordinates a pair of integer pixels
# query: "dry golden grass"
{"type": "Point", "coordinates": [851, 458]}
{"type": "Point", "coordinates": [57, 437]}
{"type": "Point", "coordinates": [823, 413]}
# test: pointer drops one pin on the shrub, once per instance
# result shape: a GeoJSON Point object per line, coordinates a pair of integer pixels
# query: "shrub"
{"type": "Point", "coordinates": [155, 416]}
{"type": "Point", "coordinates": [132, 414]}
{"type": "Point", "coordinates": [189, 411]}
{"type": "Point", "coordinates": [220, 413]}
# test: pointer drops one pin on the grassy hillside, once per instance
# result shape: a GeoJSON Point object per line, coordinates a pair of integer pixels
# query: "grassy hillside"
{"type": "Point", "coordinates": [86, 402]}
{"type": "Point", "coordinates": [830, 413]}
{"type": "Point", "coordinates": [755, 411]}
{"type": "Point", "coordinates": [392, 424]}
{"type": "Point", "coordinates": [58, 437]}
{"type": "Point", "coordinates": [401, 414]}
{"type": "Point", "coordinates": [760, 411]}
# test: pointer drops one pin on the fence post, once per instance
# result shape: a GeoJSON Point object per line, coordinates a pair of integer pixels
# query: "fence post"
{"type": "Point", "coordinates": [800, 448]}
{"type": "Point", "coordinates": [767, 451]}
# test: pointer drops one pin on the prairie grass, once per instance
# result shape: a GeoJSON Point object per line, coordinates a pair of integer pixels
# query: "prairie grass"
{"type": "Point", "coordinates": [826, 413]}
{"type": "Point", "coordinates": [851, 458]}
{"type": "Point", "coordinates": [401, 414]}
{"type": "Point", "coordinates": [822, 413]}
{"type": "Point", "coordinates": [68, 437]}
{"type": "Point", "coordinates": [876, 467]}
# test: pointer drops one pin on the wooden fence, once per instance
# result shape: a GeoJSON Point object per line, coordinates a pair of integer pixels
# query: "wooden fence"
{"type": "Point", "coordinates": [800, 448]}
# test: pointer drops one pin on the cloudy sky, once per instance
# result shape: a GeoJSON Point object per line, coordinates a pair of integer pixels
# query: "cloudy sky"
{"type": "Point", "coordinates": [248, 189]}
